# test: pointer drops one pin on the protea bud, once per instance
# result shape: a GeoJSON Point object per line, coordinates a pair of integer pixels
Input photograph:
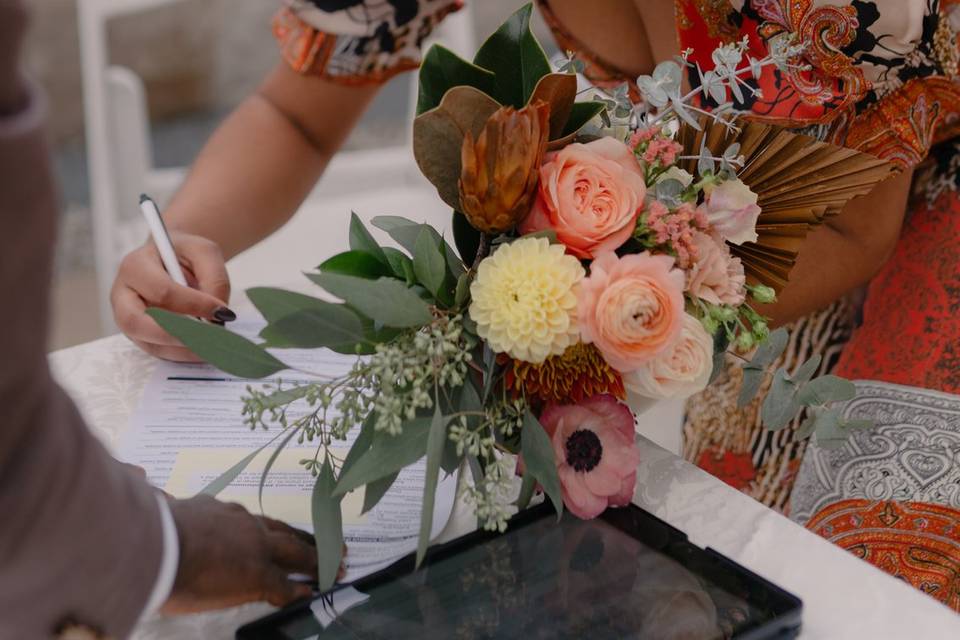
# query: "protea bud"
{"type": "Point", "coordinates": [498, 182]}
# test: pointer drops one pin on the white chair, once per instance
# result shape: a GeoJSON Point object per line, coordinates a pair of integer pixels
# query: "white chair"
{"type": "Point", "coordinates": [120, 163]}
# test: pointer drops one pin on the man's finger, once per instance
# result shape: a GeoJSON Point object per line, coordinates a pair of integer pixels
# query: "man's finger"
{"type": "Point", "coordinates": [279, 591]}
{"type": "Point", "coordinates": [290, 552]}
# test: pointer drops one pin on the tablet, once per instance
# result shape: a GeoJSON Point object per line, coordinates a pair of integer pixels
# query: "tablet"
{"type": "Point", "coordinates": [626, 574]}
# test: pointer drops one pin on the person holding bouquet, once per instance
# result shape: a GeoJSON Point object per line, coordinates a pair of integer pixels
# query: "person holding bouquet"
{"type": "Point", "coordinates": [875, 76]}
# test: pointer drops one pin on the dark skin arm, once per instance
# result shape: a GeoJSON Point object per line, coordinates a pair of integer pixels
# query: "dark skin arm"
{"type": "Point", "coordinates": [838, 257]}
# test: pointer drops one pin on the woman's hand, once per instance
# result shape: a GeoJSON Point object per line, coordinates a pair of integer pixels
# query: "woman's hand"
{"type": "Point", "coordinates": [142, 282]}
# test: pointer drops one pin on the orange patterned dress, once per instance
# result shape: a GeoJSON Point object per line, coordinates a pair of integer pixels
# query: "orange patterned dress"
{"type": "Point", "coordinates": [882, 78]}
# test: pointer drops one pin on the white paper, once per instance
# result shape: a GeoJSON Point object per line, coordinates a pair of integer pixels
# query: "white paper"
{"type": "Point", "coordinates": [188, 430]}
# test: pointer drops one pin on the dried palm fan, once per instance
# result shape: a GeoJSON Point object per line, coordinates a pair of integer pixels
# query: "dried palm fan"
{"type": "Point", "coordinates": [799, 182]}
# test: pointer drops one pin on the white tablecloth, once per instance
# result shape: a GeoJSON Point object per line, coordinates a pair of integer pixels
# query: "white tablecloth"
{"type": "Point", "coordinates": [843, 596]}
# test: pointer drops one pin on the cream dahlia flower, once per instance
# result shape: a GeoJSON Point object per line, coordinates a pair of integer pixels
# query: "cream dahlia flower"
{"type": "Point", "coordinates": [525, 299]}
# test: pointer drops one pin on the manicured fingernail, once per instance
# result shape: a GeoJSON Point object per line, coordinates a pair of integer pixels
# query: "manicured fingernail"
{"type": "Point", "coordinates": [219, 323]}
{"type": "Point", "coordinates": [224, 314]}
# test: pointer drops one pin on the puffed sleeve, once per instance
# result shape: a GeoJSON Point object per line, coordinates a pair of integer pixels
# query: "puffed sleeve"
{"type": "Point", "coordinates": [357, 41]}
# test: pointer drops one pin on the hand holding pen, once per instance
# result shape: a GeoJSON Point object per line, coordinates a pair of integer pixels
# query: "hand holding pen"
{"type": "Point", "coordinates": [180, 272]}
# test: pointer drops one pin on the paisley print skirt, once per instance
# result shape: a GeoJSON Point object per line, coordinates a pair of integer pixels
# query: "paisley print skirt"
{"type": "Point", "coordinates": [891, 495]}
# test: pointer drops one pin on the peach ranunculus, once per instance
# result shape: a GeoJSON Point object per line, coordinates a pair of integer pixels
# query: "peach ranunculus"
{"type": "Point", "coordinates": [631, 308]}
{"type": "Point", "coordinates": [590, 194]}
{"type": "Point", "coordinates": [732, 210]}
{"type": "Point", "coordinates": [680, 372]}
{"type": "Point", "coordinates": [593, 444]}
{"type": "Point", "coordinates": [716, 277]}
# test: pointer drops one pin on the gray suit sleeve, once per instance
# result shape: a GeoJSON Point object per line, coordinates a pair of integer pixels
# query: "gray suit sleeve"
{"type": "Point", "coordinates": [81, 537]}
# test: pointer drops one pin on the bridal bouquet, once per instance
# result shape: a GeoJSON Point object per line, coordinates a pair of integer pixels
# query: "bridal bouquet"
{"type": "Point", "coordinates": [605, 256]}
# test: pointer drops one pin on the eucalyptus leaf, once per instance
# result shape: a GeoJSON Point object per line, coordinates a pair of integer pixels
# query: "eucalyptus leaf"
{"type": "Point", "coordinates": [462, 292]}
{"type": "Point", "coordinates": [862, 423]}
{"type": "Point", "coordinates": [429, 264]}
{"type": "Point", "coordinates": [780, 406]}
{"type": "Point", "coordinates": [539, 461]}
{"type": "Point", "coordinates": [516, 59]}
{"type": "Point", "coordinates": [358, 263]}
{"type": "Point", "coordinates": [387, 454]}
{"type": "Point", "coordinates": [406, 232]}
{"type": "Point", "coordinates": [386, 300]}
{"type": "Point", "coordinates": [225, 350]}
{"type": "Point", "coordinates": [327, 527]}
{"type": "Point", "coordinates": [706, 164]}
{"type": "Point", "coordinates": [400, 264]}
{"type": "Point", "coordinates": [441, 70]}
{"type": "Point", "coordinates": [805, 371]}
{"type": "Point", "coordinates": [770, 349]}
{"type": "Point", "coordinates": [435, 442]}
{"type": "Point", "coordinates": [374, 491]}
{"type": "Point", "coordinates": [830, 434]}
{"type": "Point", "coordinates": [274, 304]}
{"type": "Point", "coordinates": [454, 263]}
{"type": "Point", "coordinates": [527, 487]}
{"type": "Point", "coordinates": [807, 427]}
{"type": "Point", "coordinates": [333, 326]}
{"type": "Point", "coordinates": [272, 459]}
{"type": "Point", "coordinates": [752, 379]}
{"type": "Point", "coordinates": [826, 389]}
{"type": "Point", "coordinates": [223, 481]}
{"type": "Point", "coordinates": [361, 240]}
{"type": "Point", "coordinates": [361, 444]}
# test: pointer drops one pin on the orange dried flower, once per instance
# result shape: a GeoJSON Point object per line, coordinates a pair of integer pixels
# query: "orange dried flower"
{"type": "Point", "coordinates": [579, 373]}
{"type": "Point", "coordinates": [501, 168]}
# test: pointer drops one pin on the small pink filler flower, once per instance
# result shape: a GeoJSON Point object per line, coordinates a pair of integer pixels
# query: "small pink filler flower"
{"type": "Point", "coordinates": [593, 443]}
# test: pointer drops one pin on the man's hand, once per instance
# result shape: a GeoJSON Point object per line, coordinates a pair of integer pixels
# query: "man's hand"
{"type": "Point", "coordinates": [13, 25]}
{"type": "Point", "coordinates": [229, 557]}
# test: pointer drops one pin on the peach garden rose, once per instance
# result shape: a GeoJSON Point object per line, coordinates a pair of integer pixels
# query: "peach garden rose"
{"type": "Point", "coordinates": [680, 372]}
{"type": "Point", "coordinates": [631, 308]}
{"type": "Point", "coordinates": [591, 195]}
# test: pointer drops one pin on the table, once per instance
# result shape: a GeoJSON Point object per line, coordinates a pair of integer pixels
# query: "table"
{"type": "Point", "coordinates": [843, 596]}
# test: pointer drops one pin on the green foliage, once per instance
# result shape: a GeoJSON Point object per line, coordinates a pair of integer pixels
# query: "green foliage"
{"type": "Point", "coordinates": [333, 326]}
{"type": "Point", "coordinates": [327, 527]}
{"type": "Point", "coordinates": [387, 454]}
{"type": "Point", "coordinates": [430, 267]}
{"type": "Point", "coordinates": [386, 300]}
{"type": "Point", "coordinates": [292, 431]}
{"type": "Point", "coordinates": [435, 443]}
{"type": "Point", "coordinates": [228, 351]}
{"type": "Point", "coordinates": [516, 59]}
{"type": "Point", "coordinates": [361, 240]}
{"type": "Point", "coordinates": [358, 263]}
{"type": "Point", "coordinates": [374, 491]}
{"type": "Point", "coordinates": [539, 461]}
{"type": "Point", "coordinates": [400, 264]}
{"type": "Point", "coordinates": [465, 237]}
{"type": "Point", "coordinates": [441, 70]}
{"type": "Point", "coordinates": [580, 115]}
{"type": "Point", "coordinates": [827, 389]}
{"type": "Point", "coordinates": [766, 355]}
{"type": "Point", "coordinates": [527, 488]}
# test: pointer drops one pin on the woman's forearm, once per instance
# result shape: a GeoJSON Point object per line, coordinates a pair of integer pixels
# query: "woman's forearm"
{"type": "Point", "coordinates": [261, 163]}
{"type": "Point", "coordinates": [845, 253]}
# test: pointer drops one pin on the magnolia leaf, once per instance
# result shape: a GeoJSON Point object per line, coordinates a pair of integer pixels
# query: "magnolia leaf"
{"type": "Point", "coordinates": [361, 240]}
{"type": "Point", "coordinates": [358, 263]}
{"type": "Point", "coordinates": [539, 461]}
{"type": "Point", "coordinates": [559, 90]}
{"type": "Point", "coordinates": [826, 389]}
{"type": "Point", "coordinates": [223, 349]}
{"type": "Point", "coordinates": [387, 454]}
{"type": "Point", "coordinates": [581, 114]}
{"type": "Point", "coordinates": [516, 59]}
{"type": "Point", "coordinates": [466, 237]}
{"type": "Point", "coordinates": [374, 491]}
{"type": "Point", "coordinates": [334, 326]}
{"type": "Point", "coordinates": [442, 70]}
{"type": "Point", "coordinates": [438, 137]}
{"type": "Point", "coordinates": [386, 300]}
{"type": "Point", "coordinates": [327, 527]}
{"type": "Point", "coordinates": [435, 442]}
{"type": "Point", "coordinates": [429, 264]}
{"type": "Point", "coordinates": [400, 264]}
{"type": "Point", "coordinates": [780, 406]}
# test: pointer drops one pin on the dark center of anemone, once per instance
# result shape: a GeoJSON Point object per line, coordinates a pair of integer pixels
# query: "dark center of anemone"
{"type": "Point", "coordinates": [584, 450]}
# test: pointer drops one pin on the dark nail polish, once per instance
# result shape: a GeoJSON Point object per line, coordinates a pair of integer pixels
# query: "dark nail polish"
{"type": "Point", "coordinates": [219, 323]}
{"type": "Point", "coordinates": [224, 315]}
